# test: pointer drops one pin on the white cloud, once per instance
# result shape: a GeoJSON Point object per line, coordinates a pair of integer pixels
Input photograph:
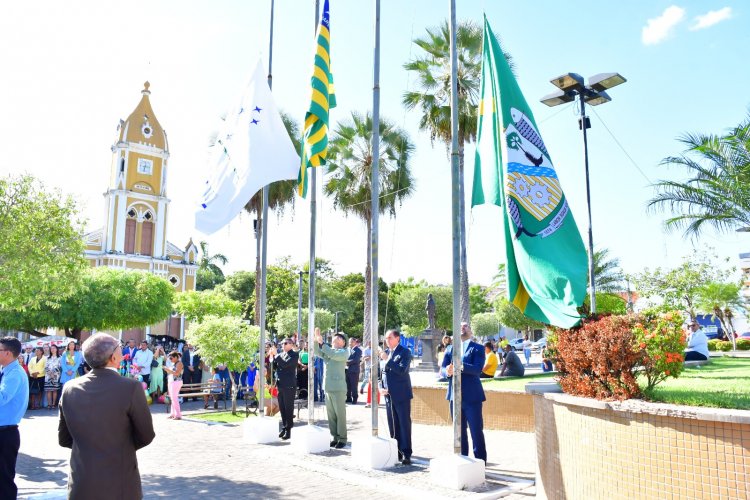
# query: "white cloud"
{"type": "Point", "coordinates": [711, 17]}
{"type": "Point", "coordinates": [659, 28]}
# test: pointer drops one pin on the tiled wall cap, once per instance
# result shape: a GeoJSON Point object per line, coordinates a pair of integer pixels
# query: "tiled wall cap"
{"type": "Point", "coordinates": [543, 387]}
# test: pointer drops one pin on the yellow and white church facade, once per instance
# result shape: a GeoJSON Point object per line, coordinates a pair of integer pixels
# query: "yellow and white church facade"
{"type": "Point", "coordinates": [136, 204]}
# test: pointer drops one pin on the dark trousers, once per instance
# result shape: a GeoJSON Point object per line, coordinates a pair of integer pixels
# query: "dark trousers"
{"type": "Point", "coordinates": [694, 356]}
{"type": "Point", "coordinates": [286, 406]}
{"type": "Point", "coordinates": [471, 415]}
{"type": "Point", "coordinates": [10, 441]}
{"type": "Point", "coordinates": [399, 423]}
{"type": "Point", "coordinates": [352, 379]}
{"type": "Point", "coordinates": [147, 379]}
{"type": "Point", "coordinates": [318, 392]}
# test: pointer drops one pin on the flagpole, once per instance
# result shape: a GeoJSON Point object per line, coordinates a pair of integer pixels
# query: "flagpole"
{"type": "Point", "coordinates": [311, 294]}
{"type": "Point", "coordinates": [375, 211]}
{"type": "Point", "coordinates": [263, 253]}
{"type": "Point", "coordinates": [456, 237]}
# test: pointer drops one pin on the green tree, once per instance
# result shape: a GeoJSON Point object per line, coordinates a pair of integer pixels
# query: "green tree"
{"type": "Point", "coordinates": [195, 306]}
{"type": "Point", "coordinates": [346, 294]}
{"type": "Point", "coordinates": [607, 303]}
{"type": "Point", "coordinates": [509, 315]}
{"type": "Point", "coordinates": [226, 341]}
{"type": "Point", "coordinates": [717, 192]}
{"type": "Point", "coordinates": [41, 251]}
{"type": "Point", "coordinates": [680, 287]}
{"type": "Point", "coordinates": [209, 274]}
{"type": "Point", "coordinates": [484, 324]}
{"type": "Point", "coordinates": [411, 303]}
{"type": "Point", "coordinates": [281, 289]}
{"type": "Point", "coordinates": [106, 299]}
{"type": "Point", "coordinates": [478, 300]}
{"type": "Point", "coordinates": [281, 194]}
{"type": "Point", "coordinates": [433, 98]}
{"type": "Point", "coordinates": [286, 321]}
{"type": "Point", "coordinates": [499, 280]}
{"type": "Point", "coordinates": [350, 169]}
{"type": "Point", "coordinates": [720, 300]}
{"type": "Point", "coordinates": [608, 276]}
{"type": "Point", "coordinates": [240, 286]}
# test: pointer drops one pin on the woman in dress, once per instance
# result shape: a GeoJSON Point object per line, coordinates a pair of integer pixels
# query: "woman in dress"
{"type": "Point", "coordinates": [36, 377]}
{"type": "Point", "coordinates": [71, 361]}
{"type": "Point", "coordinates": [156, 386]}
{"type": "Point", "coordinates": [52, 376]}
{"type": "Point", "coordinates": [174, 383]}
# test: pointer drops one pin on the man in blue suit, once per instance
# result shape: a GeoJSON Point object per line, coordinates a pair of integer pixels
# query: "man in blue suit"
{"type": "Point", "coordinates": [472, 393]}
{"type": "Point", "coordinates": [396, 386]}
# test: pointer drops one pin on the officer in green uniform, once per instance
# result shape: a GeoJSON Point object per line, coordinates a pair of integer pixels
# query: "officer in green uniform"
{"type": "Point", "coordinates": [335, 384]}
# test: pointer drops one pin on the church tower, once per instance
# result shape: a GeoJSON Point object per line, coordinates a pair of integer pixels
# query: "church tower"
{"type": "Point", "coordinates": [136, 209]}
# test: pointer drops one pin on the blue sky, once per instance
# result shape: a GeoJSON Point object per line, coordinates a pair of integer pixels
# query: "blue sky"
{"type": "Point", "coordinates": [71, 71]}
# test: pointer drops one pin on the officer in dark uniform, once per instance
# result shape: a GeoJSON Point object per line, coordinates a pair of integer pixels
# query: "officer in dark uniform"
{"type": "Point", "coordinates": [286, 374]}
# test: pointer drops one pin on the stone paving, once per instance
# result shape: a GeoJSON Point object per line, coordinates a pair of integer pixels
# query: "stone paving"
{"type": "Point", "coordinates": [190, 458]}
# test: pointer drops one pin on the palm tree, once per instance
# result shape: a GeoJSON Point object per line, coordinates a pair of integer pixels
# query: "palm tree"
{"type": "Point", "coordinates": [434, 98]}
{"type": "Point", "coordinates": [608, 276]}
{"type": "Point", "coordinates": [350, 166]}
{"type": "Point", "coordinates": [717, 194]}
{"type": "Point", "coordinates": [209, 273]}
{"type": "Point", "coordinates": [280, 195]}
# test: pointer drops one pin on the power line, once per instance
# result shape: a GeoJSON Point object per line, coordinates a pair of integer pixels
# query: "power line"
{"type": "Point", "coordinates": [621, 146]}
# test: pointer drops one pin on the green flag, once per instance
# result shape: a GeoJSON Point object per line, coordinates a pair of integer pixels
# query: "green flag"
{"type": "Point", "coordinates": [547, 265]}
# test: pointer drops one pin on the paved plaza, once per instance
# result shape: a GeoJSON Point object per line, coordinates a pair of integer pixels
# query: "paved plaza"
{"type": "Point", "coordinates": [189, 458]}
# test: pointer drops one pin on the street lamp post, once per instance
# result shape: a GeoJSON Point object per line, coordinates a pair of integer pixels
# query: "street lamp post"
{"type": "Point", "coordinates": [336, 315]}
{"type": "Point", "coordinates": [571, 86]}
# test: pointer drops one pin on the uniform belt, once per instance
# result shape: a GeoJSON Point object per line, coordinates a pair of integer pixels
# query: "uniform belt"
{"type": "Point", "coordinates": [8, 427]}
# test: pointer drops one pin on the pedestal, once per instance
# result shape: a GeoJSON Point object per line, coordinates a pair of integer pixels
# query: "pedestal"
{"type": "Point", "coordinates": [261, 430]}
{"type": "Point", "coordinates": [310, 439]}
{"type": "Point", "coordinates": [375, 452]}
{"type": "Point", "coordinates": [457, 472]}
{"type": "Point", "coordinates": [429, 361]}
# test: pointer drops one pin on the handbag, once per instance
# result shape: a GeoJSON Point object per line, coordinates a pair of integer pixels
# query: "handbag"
{"type": "Point", "coordinates": [154, 363]}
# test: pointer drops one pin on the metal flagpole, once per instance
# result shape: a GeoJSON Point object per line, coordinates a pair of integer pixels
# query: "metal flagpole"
{"type": "Point", "coordinates": [456, 236]}
{"type": "Point", "coordinates": [375, 211]}
{"type": "Point", "coordinates": [264, 247]}
{"type": "Point", "coordinates": [311, 295]}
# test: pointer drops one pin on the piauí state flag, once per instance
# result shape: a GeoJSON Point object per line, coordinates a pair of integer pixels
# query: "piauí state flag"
{"type": "Point", "coordinates": [252, 149]}
{"type": "Point", "coordinates": [315, 140]}
{"type": "Point", "coordinates": [547, 264]}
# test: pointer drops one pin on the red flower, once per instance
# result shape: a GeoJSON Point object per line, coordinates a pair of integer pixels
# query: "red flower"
{"type": "Point", "coordinates": [666, 372]}
{"type": "Point", "coordinates": [643, 345]}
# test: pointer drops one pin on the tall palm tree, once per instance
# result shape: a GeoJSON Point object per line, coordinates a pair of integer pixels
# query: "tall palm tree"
{"type": "Point", "coordinates": [209, 273]}
{"type": "Point", "coordinates": [717, 194]}
{"type": "Point", "coordinates": [280, 195]}
{"type": "Point", "coordinates": [433, 99]}
{"type": "Point", "coordinates": [608, 276]}
{"type": "Point", "coordinates": [349, 168]}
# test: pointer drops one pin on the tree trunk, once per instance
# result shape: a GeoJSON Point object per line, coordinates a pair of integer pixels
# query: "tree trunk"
{"type": "Point", "coordinates": [464, 274]}
{"type": "Point", "coordinates": [258, 235]}
{"type": "Point", "coordinates": [234, 393]}
{"type": "Point", "coordinates": [368, 291]}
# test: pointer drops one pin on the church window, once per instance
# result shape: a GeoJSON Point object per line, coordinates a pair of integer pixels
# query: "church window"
{"type": "Point", "coordinates": [122, 165]}
{"type": "Point", "coordinates": [132, 213]}
{"type": "Point", "coordinates": [145, 166]}
{"type": "Point", "coordinates": [148, 216]}
{"type": "Point", "coordinates": [174, 280]}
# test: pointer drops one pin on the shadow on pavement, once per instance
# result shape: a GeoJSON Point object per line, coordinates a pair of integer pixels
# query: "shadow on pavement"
{"type": "Point", "coordinates": [36, 469]}
{"type": "Point", "coordinates": [215, 486]}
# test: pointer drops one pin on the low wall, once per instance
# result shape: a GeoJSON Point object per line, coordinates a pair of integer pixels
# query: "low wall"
{"type": "Point", "coordinates": [594, 449]}
{"type": "Point", "coordinates": [507, 411]}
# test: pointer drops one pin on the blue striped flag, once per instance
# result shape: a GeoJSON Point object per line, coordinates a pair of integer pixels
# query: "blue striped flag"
{"type": "Point", "coordinates": [315, 141]}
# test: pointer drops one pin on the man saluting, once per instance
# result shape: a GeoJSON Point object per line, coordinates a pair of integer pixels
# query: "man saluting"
{"type": "Point", "coordinates": [286, 368]}
{"type": "Point", "coordinates": [398, 394]}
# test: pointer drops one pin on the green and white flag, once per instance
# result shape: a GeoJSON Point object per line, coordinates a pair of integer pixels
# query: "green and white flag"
{"type": "Point", "coordinates": [547, 264]}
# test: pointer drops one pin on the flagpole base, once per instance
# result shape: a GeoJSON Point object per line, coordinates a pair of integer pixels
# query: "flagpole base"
{"type": "Point", "coordinates": [310, 439]}
{"type": "Point", "coordinates": [261, 430]}
{"type": "Point", "coordinates": [375, 452]}
{"type": "Point", "coordinates": [457, 472]}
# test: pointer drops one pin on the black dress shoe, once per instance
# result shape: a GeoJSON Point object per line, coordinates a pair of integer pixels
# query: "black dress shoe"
{"type": "Point", "coordinates": [340, 445]}
{"type": "Point", "coordinates": [334, 443]}
{"type": "Point", "coordinates": [400, 456]}
{"type": "Point", "coordinates": [286, 436]}
{"type": "Point", "coordinates": [406, 461]}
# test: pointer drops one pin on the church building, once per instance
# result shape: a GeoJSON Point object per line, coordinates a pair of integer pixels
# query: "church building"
{"type": "Point", "coordinates": [136, 210]}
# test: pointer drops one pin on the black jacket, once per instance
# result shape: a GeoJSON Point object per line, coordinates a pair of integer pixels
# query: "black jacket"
{"type": "Point", "coordinates": [355, 356]}
{"type": "Point", "coordinates": [285, 364]}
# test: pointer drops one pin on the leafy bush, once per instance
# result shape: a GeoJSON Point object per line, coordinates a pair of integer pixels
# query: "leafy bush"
{"type": "Point", "coordinates": [662, 340]}
{"type": "Point", "coordinates": [599, 358]}
{"type": "Point", "coordinates": [743, 345]}
{"type": "Point", "coordinates": [712, 344]}
{"type": "Point", "coordinates": [724, 345]}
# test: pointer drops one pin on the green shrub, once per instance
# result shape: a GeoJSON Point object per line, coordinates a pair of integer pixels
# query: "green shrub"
{"type": "Point", "coordinates": [724, 345]}
{"type": "Point", "coordinates": [662, 342]}
{"type": "Point", "coordinates": [743, 345]}
{"type": "Point", "coordinates": [712, 344]}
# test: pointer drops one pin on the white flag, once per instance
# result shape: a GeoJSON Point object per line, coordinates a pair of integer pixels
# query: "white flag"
{"type": "Point", "coordinates": [252, 150]}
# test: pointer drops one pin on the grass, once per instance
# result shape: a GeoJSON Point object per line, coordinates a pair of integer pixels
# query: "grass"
{"type": "Point", "coordinates": [723, 383]}
{"type": "Point", "coordinates": [222, 417]}
{"type": "Point", "coordinates": [514, 383]}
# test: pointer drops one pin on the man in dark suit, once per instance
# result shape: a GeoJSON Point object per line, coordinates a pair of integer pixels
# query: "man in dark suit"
{"type": "Point", "coordinates": [285, 363]}
{"type": "Point", "coordinates": [104, 418]}
{"type": "Point", "coordinates": [129, 351]}
{"type": "Point", "coordinates": [472, 393]}
{"type": "Point", "coordinates": [352, 371]}
{"type": "Point", "coordinates": [191, 362]}
{"type": "Point", "coordinates": [398, 394]}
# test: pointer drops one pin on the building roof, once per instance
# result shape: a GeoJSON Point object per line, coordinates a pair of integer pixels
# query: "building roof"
{"type": "Point", "coordinates": [142, 127]}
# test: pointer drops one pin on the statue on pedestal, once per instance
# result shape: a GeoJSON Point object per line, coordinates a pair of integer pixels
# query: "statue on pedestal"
{"type": "Point", "coordinates": [430, 308]}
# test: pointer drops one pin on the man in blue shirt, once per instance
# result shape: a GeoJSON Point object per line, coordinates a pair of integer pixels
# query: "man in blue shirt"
{"type": "Point", "coordinates": [14, 398]}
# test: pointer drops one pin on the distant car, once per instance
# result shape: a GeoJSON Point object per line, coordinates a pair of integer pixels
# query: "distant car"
{"type": "Point", "coordinates": [745, 336]}
{"type": "Point", "coordinates": [517, 344]}
{"type": "Point", "coordinates": [539, 344]}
